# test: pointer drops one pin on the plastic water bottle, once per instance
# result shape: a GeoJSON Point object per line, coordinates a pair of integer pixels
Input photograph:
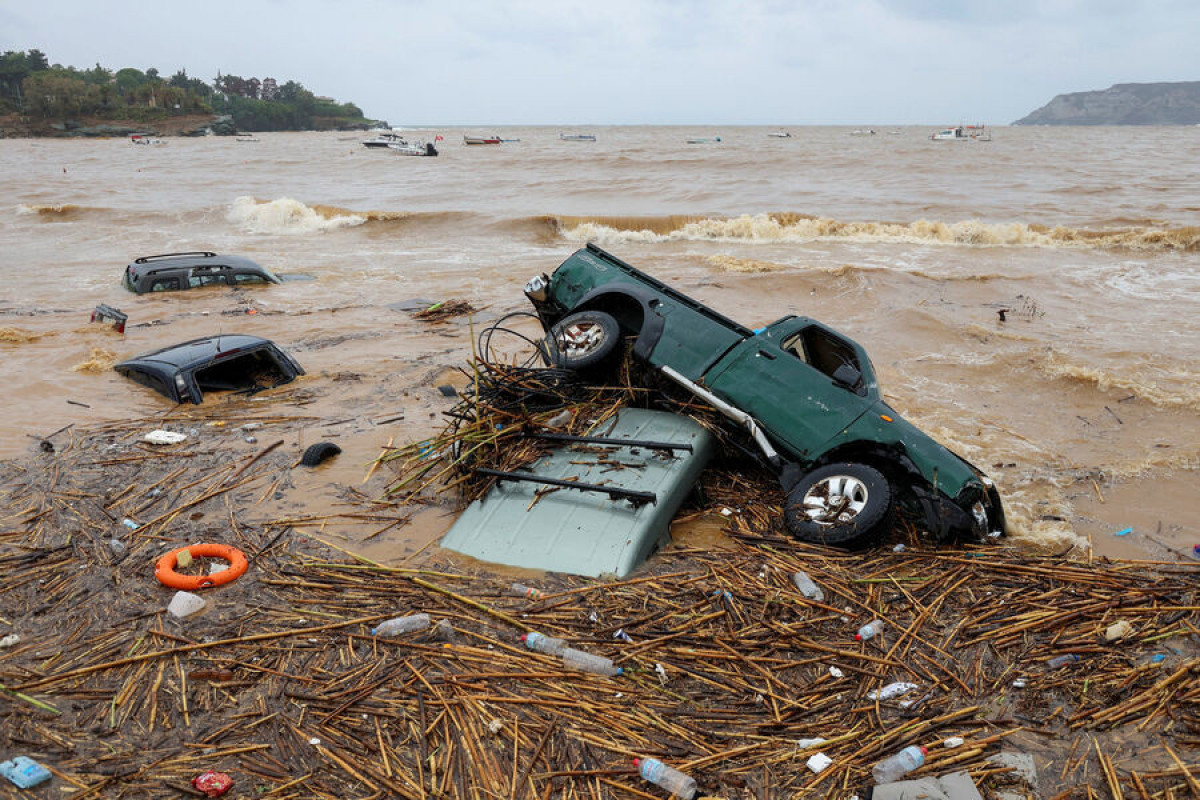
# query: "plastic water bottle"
{"type": "Point", "coordinates": [898, 765]}
{"type": "Point", "coordinates": [1062, 661]}
{"type": "Point", "coordinates": [807, 587]}
{"type": "Point", "coordinates": [521, 590]}
{"type": "Point", "coordinates": [398, 625]}
{"type": "Point", "coordinates": [869, 630]}
{"type": "Point", "coordinates": [24, 772]}
{"type": "Point", "coordinates": [541, 643]}
{"type": "Point", "coordinates": [677, 783]}
{"type": "Point", "coordinates": [588, 662]}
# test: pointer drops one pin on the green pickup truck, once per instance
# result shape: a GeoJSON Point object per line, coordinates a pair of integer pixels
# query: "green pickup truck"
{"type": "Point", "coordinates": [804, 393]}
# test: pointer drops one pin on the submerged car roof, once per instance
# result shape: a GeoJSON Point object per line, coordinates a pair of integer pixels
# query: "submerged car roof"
{"type": "Point", "coordinates": [148, 264]}
{"type": "Point", "coordinates": [201, 351]}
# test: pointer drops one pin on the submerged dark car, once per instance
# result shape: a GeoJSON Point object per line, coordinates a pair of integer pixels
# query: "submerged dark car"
{"type": "Point", "coordinates": [171, 272]}
{"type": "Point", "coordinates": [231, 362]}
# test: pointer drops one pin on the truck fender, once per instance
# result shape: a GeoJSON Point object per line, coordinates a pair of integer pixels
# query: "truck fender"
{"type": "Point", "coordinates": [613, 301]}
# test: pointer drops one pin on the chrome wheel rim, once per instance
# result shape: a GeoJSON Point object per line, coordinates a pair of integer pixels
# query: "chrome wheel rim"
{"type": "Point", "coordinates": [835, 500]}
{"type": "Point", "coordinates": [581, 338]}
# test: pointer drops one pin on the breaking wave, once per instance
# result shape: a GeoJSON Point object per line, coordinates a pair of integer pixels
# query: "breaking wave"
{"type": "Point", "coordinates": [789, 227]}
{"type": "Point", "coordinates": [1175, 388]}
{"type": "Point", "coordinates": [288, 216]}
{"type": "Point", "coordinates": [54, 211]}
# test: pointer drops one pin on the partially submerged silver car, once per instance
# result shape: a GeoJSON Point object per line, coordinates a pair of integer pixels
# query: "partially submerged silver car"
{"type": "Point", "coordinates": [231, 362]}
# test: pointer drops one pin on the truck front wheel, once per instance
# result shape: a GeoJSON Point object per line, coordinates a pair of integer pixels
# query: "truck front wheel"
{"type": "Point", "coordinates": [582, 340]}
{"type": "Point", "coordinates": [839, 504]}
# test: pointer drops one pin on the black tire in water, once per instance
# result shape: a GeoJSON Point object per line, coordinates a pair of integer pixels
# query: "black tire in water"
{"type": "Point", "coordinates": [314, 454]}
{"type": "Point", "coordinates": [583, 340]}
{"type": "Point", "coordinates": [840, 504]}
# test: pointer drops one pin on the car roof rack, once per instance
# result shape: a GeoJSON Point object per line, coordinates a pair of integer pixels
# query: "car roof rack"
{"type": "Point", "coordinates": [202, 253]}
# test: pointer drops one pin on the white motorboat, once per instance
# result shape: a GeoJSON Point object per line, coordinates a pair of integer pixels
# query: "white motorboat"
{"type": "Point", "coordinates": [780, 134]}
{"type": "Point", "coordinates": [384, 139]}
{"type": "Point", "coordinates": [577, 137]}
{"type": "Point", "coordinates": [963, 133]}
{"type": "Point", "coordinates": [414, 148]}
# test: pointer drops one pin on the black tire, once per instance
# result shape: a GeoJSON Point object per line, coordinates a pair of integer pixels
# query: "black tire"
{"type": "Point", "coordinates": [314, 454]}
{"type": "Point", "coordinates": [860, 510]}
{"type": "Point", "coordinates": [583, 340]}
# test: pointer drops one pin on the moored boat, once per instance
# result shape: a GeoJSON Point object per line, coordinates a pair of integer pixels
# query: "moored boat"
{"type": "Point", "coordinates": [963, 133]}
{"type": "Point", "coordinates": [577, 137]}
{"type": "Point", "coordinates": [702, 140]}
{"type": "Point", "coordinates": [481, 140]}
{"type": "Point", "coordinates": [384, 139]}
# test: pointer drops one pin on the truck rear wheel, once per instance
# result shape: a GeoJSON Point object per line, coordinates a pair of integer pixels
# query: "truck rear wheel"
{"type": "Point", "coordinates": [582, 340]}
{"type": "Point", "coordinates": [840, 504]}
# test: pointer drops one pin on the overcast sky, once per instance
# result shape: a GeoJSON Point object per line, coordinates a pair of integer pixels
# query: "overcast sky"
{"type": "Point", "coordinates": [560, 62]}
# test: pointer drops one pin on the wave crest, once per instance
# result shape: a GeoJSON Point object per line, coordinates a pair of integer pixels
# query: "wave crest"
{"type": "Point", "coordinates": [791, 227]}
{"type": "Point", "coordinates": [288, 216]}
{"type": "Point", "coordinates": [1167, 389]}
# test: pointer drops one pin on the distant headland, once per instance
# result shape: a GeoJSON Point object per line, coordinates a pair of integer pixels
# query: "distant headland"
{"type": "Point", "coordinates": [41, 99]}
{"type": "Point", "coordinates": [1123, 104]}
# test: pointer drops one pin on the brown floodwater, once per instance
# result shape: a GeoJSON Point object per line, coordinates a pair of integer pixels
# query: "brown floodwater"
{"type": "Point", "coordinates": [1081, 399]}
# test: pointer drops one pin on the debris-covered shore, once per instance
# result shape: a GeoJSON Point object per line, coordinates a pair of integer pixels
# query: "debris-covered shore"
{"type": "Point", "coordinates": [727, 668]}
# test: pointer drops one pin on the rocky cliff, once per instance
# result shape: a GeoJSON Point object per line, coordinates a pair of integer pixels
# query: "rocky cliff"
{"type": "Point", "coordinates": [1123, 104]}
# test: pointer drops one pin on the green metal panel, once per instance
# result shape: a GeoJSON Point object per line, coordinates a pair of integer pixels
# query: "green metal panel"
{"type": "Point", "coordinates": [587, 533]}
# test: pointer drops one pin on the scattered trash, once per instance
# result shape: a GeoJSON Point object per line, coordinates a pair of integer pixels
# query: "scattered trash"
{"type": "Point", "coordinates": [900, 548]}
{"type": "Point", "coordinates": [184, 604]}
{"type": "Point", "coordinates": [806, 586]}
{"type": "Point", "coordinates": [871, 629]}
{"type": "Point", "coordinates": [250, 440]}
{"type": "Point", "coordinates": [818, 762]}
{"type": "Point", "coordinates": [1124, 532]}
{"type": "Point", "coordinates": [1118, 630]}
{"type": "Point", "coordinates": [623, 636]}
{"type": "Point", "coordinates": [1019, 683]}
{"type": "Point", "coordinates": [661, 673]}
{"type": "Point", "coordinates": [837, 673]}
{"type": "Point", "coordinates": [105, 313]}
{"type": "Point", "coordinates": [445, 632]}
{"type": "Point", "coordinates": [804, 744]}
{"type": "Point", "coordinates": [164, 437]}
{"type": "Point", "coordinates": [677, 783]}
{"type": "Point", "coordinates": [9, 640]}
{"type": "Point", "coordinates": [447, 390]}
{"type": "Point", "coordinates": [899, 764]}
{"type": "Point", "coordinates": [560, 419]}
{"type": "Point", "coordinates": [891, 691]}
{"type": "Point", "coordinates": [954, 741]}
{"type": "Point", "coordinates": [722, 594]}
{"type": "Point", "coordinates": [314, 454]}
{"type": "Point", "coordinates": [128, 523]}
{"type": "Point", "coordinates": [1062, 661]}
{"type": "Point", "coordinates": [398, 625]}
{"type": "Point", "coordinates": [116, 546]}
{"type": "Point", "coordinates": [314, 741]}
{"type": "Point", "coordinates": [495, 726]}
{"type": "Point", "coordinates": [183, 559]}
{"type": "Point", "coordinates": [1158, 658]}
{"type": "Point", "coordinates": [541, 643]}
{"type": "Point", "coordinates": [588, 662]}
{"type": "Point", "coordinates": [212, 784]}
{"type": "Point", "coordinates": [728, 512]}
{"type": "Point", "coordinates": [24, 772]}
{"type": "Point", "coordinates": [521, 590]}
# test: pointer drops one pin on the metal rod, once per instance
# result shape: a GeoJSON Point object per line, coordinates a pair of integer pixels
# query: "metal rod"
{"type": "Point", "coordinates": [649, 445]}
{"type": "Point", "coordinates": [614, 492]}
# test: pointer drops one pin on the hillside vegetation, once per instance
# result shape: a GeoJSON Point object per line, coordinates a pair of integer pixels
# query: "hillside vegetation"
{"type": "Point", "coordinates": [44, 98]}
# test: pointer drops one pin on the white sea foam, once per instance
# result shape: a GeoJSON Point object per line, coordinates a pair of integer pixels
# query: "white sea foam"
{"type": "Point", "coordinates": [288, 216]}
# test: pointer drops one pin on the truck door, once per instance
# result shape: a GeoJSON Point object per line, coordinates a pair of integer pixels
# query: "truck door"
{"type": "Point", "coordinates": [784, 378]}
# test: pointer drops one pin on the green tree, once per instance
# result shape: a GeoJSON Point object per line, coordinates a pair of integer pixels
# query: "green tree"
{"type": "Point", "coordinates": [37, 61]}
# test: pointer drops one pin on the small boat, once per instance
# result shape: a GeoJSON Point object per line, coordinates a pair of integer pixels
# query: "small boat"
{"type": "Point", "coordinates": [577, 137]}
{"type": "Point", "coordinates": [863, 132]}
{"type": "Point", "coordinates": [144, 138]}
{"type": "Point", "coordinates": [481, 140]}
{"type": "Point", "coordinates": [699, 140]}
{"type": "Point", "coordinates": [780, 134]}
{"type": "Point", "coordinates": [384, 139]}
{"type": "Point", "coordinates": [416, 148]}
{"type": "Point", "coordinates": [963, 133]}
{"type": "Point", "coordinates": [247, 139]}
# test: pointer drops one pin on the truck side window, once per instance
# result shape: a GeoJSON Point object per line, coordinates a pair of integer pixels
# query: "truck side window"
{"type": "Point", "coordinates": [821, 350]}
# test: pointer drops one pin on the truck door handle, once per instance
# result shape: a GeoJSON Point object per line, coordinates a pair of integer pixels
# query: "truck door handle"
{"type": "Point", "coordinates": [765, 354]}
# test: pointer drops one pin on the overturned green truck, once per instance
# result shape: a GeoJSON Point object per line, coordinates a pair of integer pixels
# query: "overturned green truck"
{"type": "Point", "coordinates": [806, 395]}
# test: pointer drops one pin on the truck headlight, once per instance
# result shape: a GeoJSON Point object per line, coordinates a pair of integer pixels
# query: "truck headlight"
{"type": "Point", "coordinates": [536, 288]}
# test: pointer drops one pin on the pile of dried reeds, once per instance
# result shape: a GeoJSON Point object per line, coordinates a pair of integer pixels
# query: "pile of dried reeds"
{"type": "Point", "coordinates": [280, 684]}
{"type": "Point", "coordinates": [445, 310]}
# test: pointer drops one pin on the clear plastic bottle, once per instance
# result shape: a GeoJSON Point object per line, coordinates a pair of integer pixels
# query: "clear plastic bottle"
{"type": "Point", "coordinates": [897, 765]}
{"type": "Point", "coordinates": [588, 662]}
{"type": "Point", "coordinates": [521, 590]}
{"type": "Point", "coordinates": [677, 783]}
{"type": "Point", "coordinates": [541, 643]}
{"type": "Point", "coordinates": [414, 622]}
{"type": "Point", "coordinates": [807, 587]}
{"type": "Point", "coordinates": [1062, 661]}
{"type": "Point", "coordinates": [872, 628]}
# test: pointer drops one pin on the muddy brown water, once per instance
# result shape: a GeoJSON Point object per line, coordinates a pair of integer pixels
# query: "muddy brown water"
{"type": "Point", "coordinates": [1081, 399]}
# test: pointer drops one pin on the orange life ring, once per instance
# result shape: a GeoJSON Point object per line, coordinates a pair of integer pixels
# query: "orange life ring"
{"type": "Point", "coordinates": [164, 570]}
